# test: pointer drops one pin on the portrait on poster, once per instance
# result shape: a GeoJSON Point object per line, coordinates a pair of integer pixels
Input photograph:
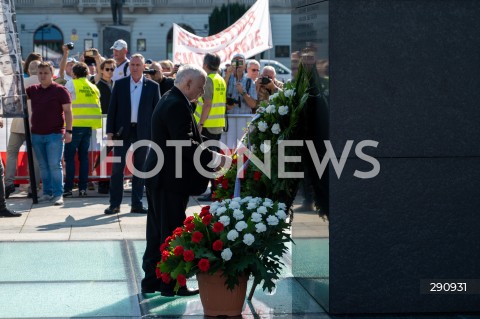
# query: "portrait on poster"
{"type": "Point", "coordinates": [12, 106]}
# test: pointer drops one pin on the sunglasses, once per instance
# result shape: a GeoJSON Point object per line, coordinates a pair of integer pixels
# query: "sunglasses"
{"type": "Point", "coordinates": [255, 70]}
{"type": "Point", "coordinates": [109, 69]}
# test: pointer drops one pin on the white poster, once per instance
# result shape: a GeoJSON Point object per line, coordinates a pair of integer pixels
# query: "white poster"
{"type": "Point", "coordinates": [250, 35]}
{"type": "Point", "coordinates": [12, 93]}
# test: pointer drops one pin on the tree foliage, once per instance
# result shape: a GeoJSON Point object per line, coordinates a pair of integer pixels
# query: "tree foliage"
{"type": "Point", "coordinates": [218, 19]}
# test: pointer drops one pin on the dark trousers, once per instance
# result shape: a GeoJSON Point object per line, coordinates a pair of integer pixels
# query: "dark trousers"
{"type": "Point", "coordinates": [80, 141]}
{"type": "Point", "coordinates": [215, 137]}
{"type": "Point", "coordinates": [3, 203]}
{"type": "Point", "coordinates": [117, 5]}
{"type": "Point", "coordinates": [116, 181]}
{"type": "Point", "coordinates": [166, 211]}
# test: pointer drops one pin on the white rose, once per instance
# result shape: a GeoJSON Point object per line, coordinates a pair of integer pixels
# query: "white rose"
{"type": "Point", "coordinates": [236, 199]}
{"type": "Point", "coordinates": [283, 110]}
{"type": "Point", "coordinates": [281, 214]}
{"type": "Point", "coordinates": [225, 220]}
{"type": "Point", "coordinates": [246, 199]}
{"type": "Point", "coordinates": [234, 205]}
{"type": "Point", "coordinates": [270, 109]}
{"type": "Point", "coordinates": [265, 148]}
{"type": "Point", "coordinates": [221, 210]}
{"type": "Point", "coordinates": [241, 225]}
{"type": "Point", "coordinates": [251, 205]}
{"type": "Point", "coordinates": [232, 235]}
{"type": "Point", "coordinates": [289, 93]}
{"type": "Point", "coordinates": [260, 227]}
{"type": "Point", "coordinates": [256, 217]}
{"type": "Point", "coordinates": [274, 95]}
{"type": "Point", "coordinates": [282, 206]}
{"type": "Point", "coordinates": [272, 220]}
{"type": "Point", "coordinates": [262, 126]}
{"type": "Point", "coordinates": [226, 254]}
{"type": "Point", "coordinates": [276, 128]}
{"type": "Point", "coordinates": [238, 214]}
{"type": "Point", "coordinates": [268, 203]}
{"type": "Point", "coordinates": [262, 210]}
{"type": "Point", "coordinates": [248, 239]}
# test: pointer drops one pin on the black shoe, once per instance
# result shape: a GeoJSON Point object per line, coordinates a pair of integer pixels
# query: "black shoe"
{"type": "Point", "coordinates": [67, 193]}
{"type": "Point", "coordinates": [82, 193]}
{"type": "Point", "coordinates": [206, 198]}
{"type": "Point", "coordinates": [112, 210]}
{"type": "Point", "coordinates": [139, 210]}
{"type": "Point", "coordinates": [5, 212]}
{"type": "Point", "coordinates": [167, 293]}
{"type": "Point", "coordinates": [185, 292]}
{"type": "Point", "coordinates": [9, 190]}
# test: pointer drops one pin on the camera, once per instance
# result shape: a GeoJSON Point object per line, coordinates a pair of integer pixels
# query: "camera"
{"type": "Point", "coordinates": [91, 52]}
{"type": "Point", "coordinates": [150, 71]}
{"type": "Point", "coordinates": [69, 45]}
{"type": "Point", "coordinates": [231, 101]}
{"type": "Point", "coordinates": [265, 80]}
{"type": "Point", "coordinates": [237, 63]}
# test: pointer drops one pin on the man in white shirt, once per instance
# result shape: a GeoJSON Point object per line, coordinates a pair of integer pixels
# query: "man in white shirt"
{"type": "Point", "coordinates": [120, 49]}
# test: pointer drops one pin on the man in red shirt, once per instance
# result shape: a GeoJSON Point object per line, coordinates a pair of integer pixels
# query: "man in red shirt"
{"type": "Point", "coordinates": [51, 108]}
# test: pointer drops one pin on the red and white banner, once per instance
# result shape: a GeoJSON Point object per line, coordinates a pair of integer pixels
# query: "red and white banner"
{"type": "Point", "coordinates": [250, 35]}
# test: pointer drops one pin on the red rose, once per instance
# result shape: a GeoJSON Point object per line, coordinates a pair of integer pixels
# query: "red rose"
{"type": "Point", "coordinates": [196, 237]}
{"type": "Point", "coordinates": [165, 255]}
{"type": "Point", "coordinates": [178, 231]}
{"type": "Point", "coordinates": [188, 220]}
{"type": "Point", "coordinates": [257, 175]}
{"type": "Point", "coordinates": [207, 219]}
{"type": "Point", "coordinates": [204, 264]}
{"type": "Point", "coordinates": [182, 281]}
{"type": "Point", "coordinates": [218, 227]}
{"type": "Point", "coordinates": [158, 272]}
{"type": "Point", "coordinates": [168, 239]}
{"type": "Point", "coordinates": [225, 184]}
{"type": "Point", "coordinates": [217, 245]}
{"type": "Point", "coordinates": [166, 278]}
{"type": "Point", "coordinates": [206, 208]}
{"type": "Point", "coordinates": [178, 251]}
{"type": "Point", "coordinates": [190, 227]}
{"type": "Point", "coordinates": [188, 255]}
{"type": "Point", "coordinates": [163, 246]}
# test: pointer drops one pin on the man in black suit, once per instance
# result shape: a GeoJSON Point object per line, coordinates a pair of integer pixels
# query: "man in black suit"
{"type": "Point", "coordinates": [173, 121]}
{"type": "Point", "coordinates": [129, 117]}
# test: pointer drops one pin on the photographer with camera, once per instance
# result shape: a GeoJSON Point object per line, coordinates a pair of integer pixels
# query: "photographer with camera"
{"type": "Point", "coordinates": [65, 72]}
{"type": "Point", "coordinates": [165, 83]}
{"type": "Point", "coordinates": [241, 93]}
{"type": "Point", "coordinates": [267, 84]}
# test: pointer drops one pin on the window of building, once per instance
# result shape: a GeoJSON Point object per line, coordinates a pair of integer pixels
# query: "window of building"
{"type": "Point", "coordinates": [282, 51]}
{"type": "Point", "coordinates": [48, 41]}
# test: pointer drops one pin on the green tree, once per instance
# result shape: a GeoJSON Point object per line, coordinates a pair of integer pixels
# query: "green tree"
{"type": "Point", "coordinates": [219, 18]}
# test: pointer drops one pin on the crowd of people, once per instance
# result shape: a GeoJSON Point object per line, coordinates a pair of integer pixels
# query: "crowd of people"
{"type": "Point", "coordinates": [156, 101]}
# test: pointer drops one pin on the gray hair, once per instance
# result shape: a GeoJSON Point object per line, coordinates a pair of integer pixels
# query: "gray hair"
{"type": "Point", "coordinates": [33, 67]}
{"type": "Point", "coordinates": [269, 68]}
{"type": "Point", "coordinates": [189, 71]}
{"type": "Point", "coordinates": [138, 55]}
{"type": "Point", "coordinates": [250, 62]}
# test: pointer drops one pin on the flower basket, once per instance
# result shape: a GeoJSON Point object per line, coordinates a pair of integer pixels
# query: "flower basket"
{"type": "Point", "coordinates": [236, 237]}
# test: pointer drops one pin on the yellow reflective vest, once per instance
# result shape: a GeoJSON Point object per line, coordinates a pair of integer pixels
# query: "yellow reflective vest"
{"type": "Point", "coordinates": [216, 117]}
{"type": "Point", "coordinates": [86, 106]}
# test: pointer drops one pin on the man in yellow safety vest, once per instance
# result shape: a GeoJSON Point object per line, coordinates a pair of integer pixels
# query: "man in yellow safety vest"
{"type": "Point", "coordinates": [87, 115]}
{"type": "Point", "coordinates": [210, 111]}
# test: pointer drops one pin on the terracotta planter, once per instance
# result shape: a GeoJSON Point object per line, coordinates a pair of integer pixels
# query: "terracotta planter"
{"type": "Point", "coordinates": [217, 299]}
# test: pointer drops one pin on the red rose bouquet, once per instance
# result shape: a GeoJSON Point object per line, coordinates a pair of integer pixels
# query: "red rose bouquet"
{"type": "Point", "coordinates": [236, 236]}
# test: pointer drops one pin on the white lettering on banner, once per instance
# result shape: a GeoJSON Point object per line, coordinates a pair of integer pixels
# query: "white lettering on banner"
{"type": "Point", "coordinates": [250, 35]}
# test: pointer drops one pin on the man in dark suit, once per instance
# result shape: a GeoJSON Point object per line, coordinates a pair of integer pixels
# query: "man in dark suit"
{"type": "Point", "coordinates": [129, 117]}
{"type": "Point", "coordinates": [173, 124]}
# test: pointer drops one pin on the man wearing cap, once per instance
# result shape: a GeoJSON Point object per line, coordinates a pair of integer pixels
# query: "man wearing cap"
{"type": "Point", "coordinates": [242, 94]}
{"type": "Point", "coordinates": [120, 56]}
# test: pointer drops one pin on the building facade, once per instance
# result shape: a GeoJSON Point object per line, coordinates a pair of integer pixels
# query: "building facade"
{"type": "Point", "coordinates": [44, 25]}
